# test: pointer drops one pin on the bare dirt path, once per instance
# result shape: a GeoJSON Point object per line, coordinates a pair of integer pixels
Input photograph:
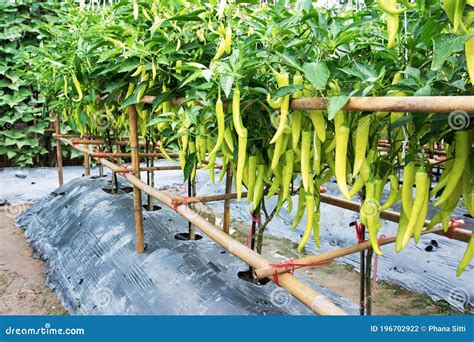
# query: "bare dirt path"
{"type": "Point", "coordinates": [23, 290]}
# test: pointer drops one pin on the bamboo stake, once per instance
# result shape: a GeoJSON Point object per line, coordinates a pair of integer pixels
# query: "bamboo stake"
{"type": "Point", "coordinates": [411, 104]}
{"type": "Point", "coordinates": [59, 153]}
{"type": "Point", "coordinates": [205, 199]}
{"type": "Point", "coordinates": [137, 194]}
{"type": "Point", "coordinates": [389, 215]}
{"type": "Point", "coordinates": [268, 271]}
{"type": "Point", "coordinates": [87, 163]}
{"type": "Point", "coordinates": [228, 190]}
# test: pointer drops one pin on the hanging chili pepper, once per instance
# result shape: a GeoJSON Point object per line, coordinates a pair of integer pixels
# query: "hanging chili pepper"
{"type": "Point", "coordinates": [305, 158]}
{"type": "Point", "coordinates": [242, 153]}
{"type": "Point", "coordinates": [361, 143]}
{"type": "Point", "coordinates": [252, 170]}
{"type": "Point", "coordinates": [342, 139]}
{"type": "Point", "coordinates": [301, 208]}
{"type": "Point", "coordinates": [422, 192]}
{"type": "Point", "coordinates": [259, 186]}
{"type": "Point", "coordinates": [287, 173]}
{"type": "Point", "coordinates": [220, 124]}
{"type": "Point", "coordinates": [236, 113]}
{"type": "Point", "coordinates": [462, 156]}
{"type": "Point", "coordinates": [394, 192]}
{"type": "Point", "coordinates": [309, 203]}
{"type": "Point", "coordinates": [77, 85]}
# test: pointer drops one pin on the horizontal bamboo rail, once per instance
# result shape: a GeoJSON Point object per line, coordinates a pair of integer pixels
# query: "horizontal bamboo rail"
{"type": "Point", "coordinates": [206, 199]}
{"type": "Point", "coordinates": [114, 154]}
{"type": "Point", "coordinates": [412, 104]}
{"type": "Point", "coordinates": [389, 215]}
{"type": "Point", "coordinates": [268, 271]}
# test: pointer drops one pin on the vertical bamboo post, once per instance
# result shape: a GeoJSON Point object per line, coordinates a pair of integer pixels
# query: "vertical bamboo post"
{"type": "Point", "coordinates": [148, 175]}
{"type": "Point", "coordinates": [362, 279]}
{"type": "Point", "coordinates": [228, 190]}
{"type": "Point", "coordinates": [59, 152]}
{"type": "Point", "coordinates": [87, 162]}
{"type": "Point", "coordinates": [137, 195]}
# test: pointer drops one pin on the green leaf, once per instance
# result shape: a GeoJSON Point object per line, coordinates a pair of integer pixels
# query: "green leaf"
{"type": "Point", "coordinates": [227, 81]}
{"type": "Point", "coordinates": [189, 166]}
{"type": "Point", "coordinates": [446, 44]}
{"type": "Point", "coordinates": [336, 103]}
{"type": "Point", "coordinates": [193, 16]}
{"type": "Point", "coordinates": [287, 90]}
{"type": "Point", "coordinates": [11, 154]}
{"type": "Point", "coordinates": [317, 73]}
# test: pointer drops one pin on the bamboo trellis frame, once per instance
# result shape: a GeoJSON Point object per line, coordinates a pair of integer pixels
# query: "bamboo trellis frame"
{"type": "Point", "coordinates": [317, 302]}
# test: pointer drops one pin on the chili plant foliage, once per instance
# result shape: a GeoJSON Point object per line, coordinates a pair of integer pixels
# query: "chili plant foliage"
{"type": "Point", "coordinates": [223, 75]}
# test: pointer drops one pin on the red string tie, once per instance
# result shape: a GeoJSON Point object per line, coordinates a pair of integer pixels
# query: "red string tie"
{"type": "Point", "coordinates": [255, 218]}
{"type": "Point", "coordinates": [290, 267]}
{"type": "Point", "coordinates": [126, 167]}
{"type": "Point", "coordinates": [359, 227]}
{"type": "Point", "coordinates": [453, 223]}
{"type": "Point", "coordinates": [177, 201]}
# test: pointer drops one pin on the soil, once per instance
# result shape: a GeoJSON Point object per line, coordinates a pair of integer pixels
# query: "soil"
{"type": "Point", "coordinates": [23, 290]}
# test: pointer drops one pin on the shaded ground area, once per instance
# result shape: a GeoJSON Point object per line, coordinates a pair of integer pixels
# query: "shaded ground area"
{"type": "Point", "coordinates": [23, 290]}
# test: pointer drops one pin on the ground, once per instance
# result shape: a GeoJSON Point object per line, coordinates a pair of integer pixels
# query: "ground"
{"type": "Point", "coordinates": [23, 290]}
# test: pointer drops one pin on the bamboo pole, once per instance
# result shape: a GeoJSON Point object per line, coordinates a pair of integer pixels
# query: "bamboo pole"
{"type": "Point", "coordinates": [59, 152]}
{"type": "Point", "coordinates": [227, 198]}
{"type": "Point", "coordinates": [137, 194]}
{"type": "Point", "coordinates": [268, 270]}
{"type": "Point", "coordinates": [412, 104]}
{"type": "Point", "coordinates": [87, 163]}
{"type": "Point", "coordinates": [389, 215]}
{"type": "Point", "coordinates": [205, 199]}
